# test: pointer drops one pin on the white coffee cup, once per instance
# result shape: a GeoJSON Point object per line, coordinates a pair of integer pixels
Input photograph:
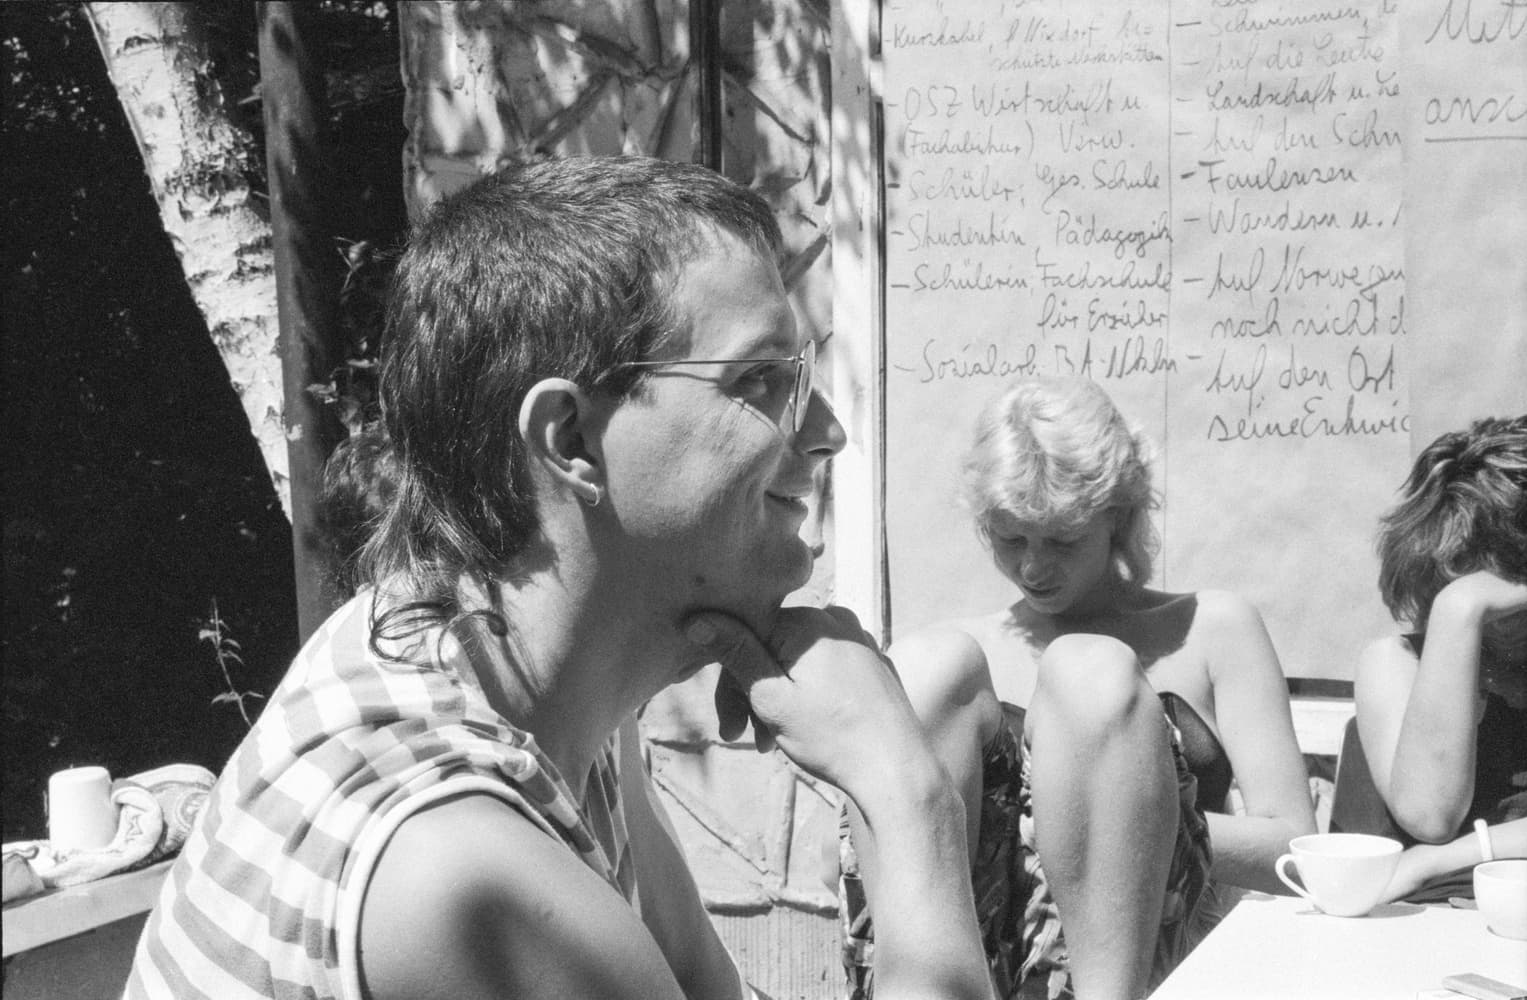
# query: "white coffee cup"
{"type": "Point", "coordinates": [1344, 874]}
{"type": "Point", "coordinates": [81, 816]}
{"type": "Point", "coordinates": [1500, 890]}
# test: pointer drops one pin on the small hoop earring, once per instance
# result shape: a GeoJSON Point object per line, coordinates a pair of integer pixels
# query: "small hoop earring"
{"type": "Point", "coordinates": [598, 496]}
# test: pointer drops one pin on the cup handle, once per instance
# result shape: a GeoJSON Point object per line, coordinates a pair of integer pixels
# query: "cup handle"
{"type": "Point", "coordinates": [1280, 867]}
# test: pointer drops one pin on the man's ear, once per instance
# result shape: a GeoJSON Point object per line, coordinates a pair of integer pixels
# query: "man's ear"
{"type": "Point", "coordinates": [554, 422]}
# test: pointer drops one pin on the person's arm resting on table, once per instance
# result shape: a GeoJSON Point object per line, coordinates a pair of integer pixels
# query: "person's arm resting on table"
{"type": "Point", "coordinates": [1421, 863]}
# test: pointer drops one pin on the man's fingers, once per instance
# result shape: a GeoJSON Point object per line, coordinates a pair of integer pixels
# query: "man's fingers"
{"type": "Point", "coordinates": [733, 713]}
{"type": "Point", "coordinates": [850, 622]}
{"type": "Point", "coordinates": [733, 645]}
{"type": "Point", "coordinates": [731, 708]}
{"type": "Point", "coordinates": [744, 661]}
{"type": "Point", "coordinates": [844, 617]}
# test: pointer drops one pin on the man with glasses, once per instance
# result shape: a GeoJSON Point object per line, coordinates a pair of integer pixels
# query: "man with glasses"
{"type": "Point", "coordinates": [604, 432]}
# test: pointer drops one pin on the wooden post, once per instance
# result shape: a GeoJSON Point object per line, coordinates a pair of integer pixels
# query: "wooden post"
{"type": "Point", "coordinates": [705, 53]}
{"type": "Point", "coordinates": [307, 282]}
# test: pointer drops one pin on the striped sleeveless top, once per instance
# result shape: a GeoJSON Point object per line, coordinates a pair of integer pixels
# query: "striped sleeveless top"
{"type": "Point", "coordinates": [264, 900]}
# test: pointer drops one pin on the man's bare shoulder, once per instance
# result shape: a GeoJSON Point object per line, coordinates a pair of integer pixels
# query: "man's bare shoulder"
{"type": "Point", "coordinates": [470, 898]}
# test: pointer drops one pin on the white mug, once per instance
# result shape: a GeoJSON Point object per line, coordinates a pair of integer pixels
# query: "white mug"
{"type": "Point", "coordinates": [1500, 890]}
{"type": "Point", "coordinates": [1344, 874]}
{"type": "Point", "coordinates": [81, 816]}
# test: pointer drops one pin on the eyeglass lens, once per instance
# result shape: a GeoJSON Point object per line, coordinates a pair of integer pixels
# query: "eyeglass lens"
{"type": "Point", "coordinates": [805, 375]}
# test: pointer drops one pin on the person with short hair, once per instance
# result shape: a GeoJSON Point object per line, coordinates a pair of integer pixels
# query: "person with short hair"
{"type": "Point", "coordinates": [1442, 707]}
{"type": "Point", "coordinates": [1094, 725]}
{"type": "Point", "coordinates": [603, 430]}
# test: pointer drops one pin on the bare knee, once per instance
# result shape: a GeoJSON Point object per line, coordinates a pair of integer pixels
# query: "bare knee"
{"type": "Point", "coordinates": [1093, 682]}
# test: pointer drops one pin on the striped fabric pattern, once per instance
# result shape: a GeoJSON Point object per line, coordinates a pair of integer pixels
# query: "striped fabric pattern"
{"type": "Point", "coordinates": [249, 909]}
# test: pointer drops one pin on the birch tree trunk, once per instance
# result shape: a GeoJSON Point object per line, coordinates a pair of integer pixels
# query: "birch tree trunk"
{"type": "Point", "coordinates": [194, 155]}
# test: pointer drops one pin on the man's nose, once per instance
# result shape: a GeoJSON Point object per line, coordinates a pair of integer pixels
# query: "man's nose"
{"type": "Point", "coordinates": [820, 436]}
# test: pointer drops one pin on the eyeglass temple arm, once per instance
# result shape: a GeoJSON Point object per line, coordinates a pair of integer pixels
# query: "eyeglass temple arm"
{"type": "Point", "coordinates": [795, 359]}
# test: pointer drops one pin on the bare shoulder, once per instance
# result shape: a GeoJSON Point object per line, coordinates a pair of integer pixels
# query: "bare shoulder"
{"type": "Point", "coordinates": [1228, 611]}
{"type": "Point", "coordinates": [471, 899]}
{"type": "Point", "coordinates": [1234, 643]}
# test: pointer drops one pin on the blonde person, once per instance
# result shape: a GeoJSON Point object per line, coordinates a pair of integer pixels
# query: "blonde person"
{"type": "Point", "coordinates": [603, 426]}
{"type": "Point", "coordinates": [1442, 707]}
{"type": "Point", "coordinates": [1094, 724]}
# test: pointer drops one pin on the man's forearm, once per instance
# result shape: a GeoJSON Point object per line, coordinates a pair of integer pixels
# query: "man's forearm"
{"type": "Point", "coordinates": [917, 878]}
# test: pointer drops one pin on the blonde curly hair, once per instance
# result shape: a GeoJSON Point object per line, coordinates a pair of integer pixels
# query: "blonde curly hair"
{"type": "Point", "coordinates": [1055, 451]}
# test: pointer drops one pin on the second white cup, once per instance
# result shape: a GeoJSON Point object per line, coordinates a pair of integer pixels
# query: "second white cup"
{"type": "Point", "coordinates": [1344, 874]}
{"type": "Point", "coordinates": [1500, 888]}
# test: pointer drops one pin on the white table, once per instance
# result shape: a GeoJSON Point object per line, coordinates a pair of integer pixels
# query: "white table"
{"type": "Point", "coordinates": [56, 914]}
{"type": "Point", "coordinates": [78, 942]}
{"type": "Point", "coordinates": [1281, 947]}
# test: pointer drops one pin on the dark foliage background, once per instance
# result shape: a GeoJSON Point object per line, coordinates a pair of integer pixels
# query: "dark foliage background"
{"type": "Point", "coordinates": [134, 495]}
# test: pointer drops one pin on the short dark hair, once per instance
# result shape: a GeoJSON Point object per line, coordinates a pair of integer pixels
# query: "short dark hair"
{"type": "Point", "coordinates": [1463, 509]}
{"type": "Point", "coordinates": [558, 268]}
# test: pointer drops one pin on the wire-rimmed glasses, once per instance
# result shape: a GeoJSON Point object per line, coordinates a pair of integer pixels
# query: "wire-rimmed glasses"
{"type": "Point", "coordinates": [805, 375]}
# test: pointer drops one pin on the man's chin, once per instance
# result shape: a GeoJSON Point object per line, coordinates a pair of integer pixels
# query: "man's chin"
{"type": "Point", "coordinates": [756, 600]}
{"type": "Point", "coordinates": [757, 611]}
{"type": "Point", "coordinates": [798, 566]}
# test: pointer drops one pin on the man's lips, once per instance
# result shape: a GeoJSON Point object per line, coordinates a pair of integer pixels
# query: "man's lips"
{"type": "Point", "coordinates": [793, 501]}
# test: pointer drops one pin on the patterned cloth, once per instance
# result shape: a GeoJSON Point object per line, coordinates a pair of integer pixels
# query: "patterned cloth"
{"type": "Point", "coordinates": [155, 812]}
{"type": "Point", "coordinates": [1019, 923]}
{"type": "Point", "coordinates": [264, 901]}
{"type": "Point", "coordinates": [1500, 752]}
